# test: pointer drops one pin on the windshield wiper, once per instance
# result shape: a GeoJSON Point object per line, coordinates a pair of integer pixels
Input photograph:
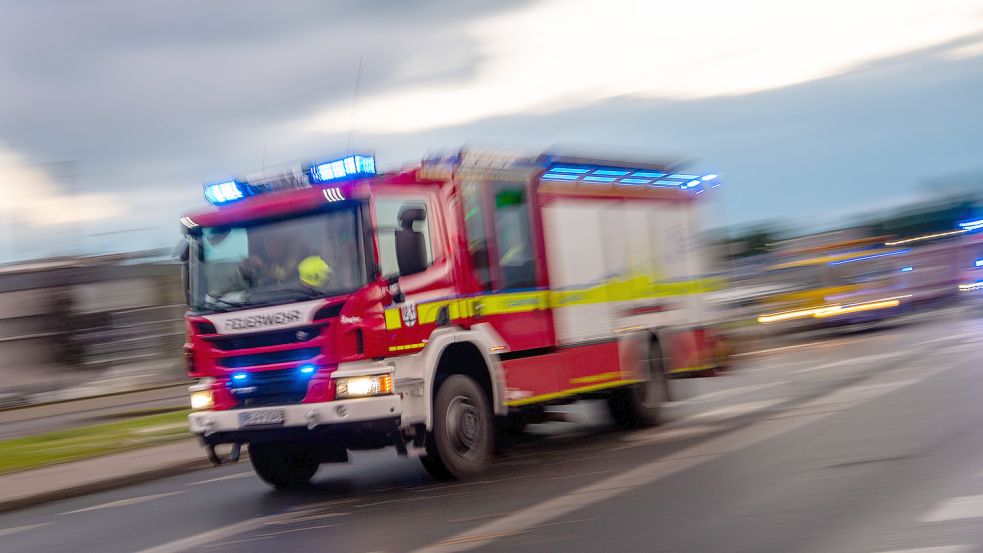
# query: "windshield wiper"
{"type": "Point", "coordinates": [284, 294]}
{"type": "Point", "coordinates": [216, 302]}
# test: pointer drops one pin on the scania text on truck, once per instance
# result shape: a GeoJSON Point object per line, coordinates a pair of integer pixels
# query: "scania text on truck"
{"type": "Point", "coordinates": [338, 308]}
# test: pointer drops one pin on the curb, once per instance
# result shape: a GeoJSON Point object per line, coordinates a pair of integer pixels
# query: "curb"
{"type": "Point", "coordinates": [106, 484]}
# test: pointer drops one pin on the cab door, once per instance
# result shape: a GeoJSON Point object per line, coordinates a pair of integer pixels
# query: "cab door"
{"type": "Point", "coordinates": [413, 255]}
{"type": "Point", "coordinates": [502, 225]}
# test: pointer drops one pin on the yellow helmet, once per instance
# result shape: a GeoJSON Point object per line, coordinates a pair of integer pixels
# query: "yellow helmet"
{"type": "Point", "coordinates": [314, 271]}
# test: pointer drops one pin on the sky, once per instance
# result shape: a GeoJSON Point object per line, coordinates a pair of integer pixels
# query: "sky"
{"type": "Point", "coordinates": [112, 113]}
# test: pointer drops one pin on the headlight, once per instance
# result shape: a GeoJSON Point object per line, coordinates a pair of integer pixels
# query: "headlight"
{"type": "Point", "coordinates": [364, 386]}
{"type": "Point", "coordinates": [201, 394]}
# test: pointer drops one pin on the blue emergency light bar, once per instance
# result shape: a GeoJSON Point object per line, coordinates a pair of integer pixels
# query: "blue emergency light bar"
{"type": "Point", "coordinates": [970, 226]}
{"type": "Point", "coordinates": [225, 192]}
{"type": "Point", "coordinates": [626, 176]}
{"type": "Point", "coordinates": [350, 167]}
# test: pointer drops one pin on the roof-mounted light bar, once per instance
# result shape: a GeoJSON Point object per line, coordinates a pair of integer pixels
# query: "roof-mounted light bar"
{"type": "Point", "coordinates": [627, 176]}
{"type": "Point", "coordinates": [225, 192]}
{"type": "Point", "coordinates": [350, 167]}
{"type": "Point", "coordinates": [346, 168]}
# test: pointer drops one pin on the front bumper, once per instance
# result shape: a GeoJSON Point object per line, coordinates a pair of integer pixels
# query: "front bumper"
{"type": "Point", "coordinates": [303, 421]}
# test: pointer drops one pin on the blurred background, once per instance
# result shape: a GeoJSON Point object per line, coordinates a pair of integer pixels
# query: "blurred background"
{"type": "Point", "coordinates": [837, 126]}
{"type": "Point", "coordinates": [848, 234]}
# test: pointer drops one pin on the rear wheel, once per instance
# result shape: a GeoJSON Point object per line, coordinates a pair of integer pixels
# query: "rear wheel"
{"type": "Point", "coordinates": [640, 404]}
{"type": "Point", "coordinates": [283, 465]}
{"type": "Point", "coordinates": [463, 436]}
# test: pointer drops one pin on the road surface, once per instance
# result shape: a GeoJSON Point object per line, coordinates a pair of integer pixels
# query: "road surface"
{"type": "Point", "coordinates": [866, 442]}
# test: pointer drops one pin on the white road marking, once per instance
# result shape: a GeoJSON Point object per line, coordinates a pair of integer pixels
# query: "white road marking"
{"type": "Point", "coordinates": [784, 348]}
{"type": "Point", "coordinates": [727, 393]}
{"type": "Point", "coordinates": [736, 410]}
{"type": "Point", "coordinates": [14, 530]}
{"type": "Point", "coordinates": [967, 506]}
{"type": "Point", "coordinates": [780, 366]}
{"type": "Point", "coordinates": [122, 502]}
{"type": "Point", "coordinates": [223, 478]}
{"type": "Point", "coordinates": [636, 439]}
{"type": "Point", "coordinates": [855, 360]}
{"type": "Point", "coordinates": [536, 515]}
{"type": "Point", "coordinates": [197, 540]}
{"type": "Point", "coordinates": [938, 549]}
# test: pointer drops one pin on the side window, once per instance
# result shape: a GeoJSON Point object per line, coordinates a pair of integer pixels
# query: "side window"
{"type": "Point", "coordinates": [474, 221]}
{"type": "Point", "coordinates": [403, 235]}
{"type": "Point", "coordinates": [515, 248]}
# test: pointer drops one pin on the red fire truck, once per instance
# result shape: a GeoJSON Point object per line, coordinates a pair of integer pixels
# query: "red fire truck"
{"type": "Point", "coordinates": [335, 308]}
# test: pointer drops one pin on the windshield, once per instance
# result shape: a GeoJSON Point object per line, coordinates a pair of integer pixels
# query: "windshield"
{"type": "Point", "coordinates": [283, 261]}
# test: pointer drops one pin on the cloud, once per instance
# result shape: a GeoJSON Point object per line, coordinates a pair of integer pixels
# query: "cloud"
{"type": "Point", "coordinates": [566, 53]}
{"type": "Point", "coordinates": [154, 98]}
{"type": "Point", "coordinates": [31, 197]}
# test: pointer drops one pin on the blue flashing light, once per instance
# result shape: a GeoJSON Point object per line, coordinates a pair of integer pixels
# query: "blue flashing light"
{"type": "Point", "coordinates": [308, 369]}
{"type": "Point", "coordinates": [610, 172]}
{"type": "Point", "coordinates": [907, 269]}
{"type": "Point", "coordinates": [627, 176]}
{"type": "Point", "coordinates": [349, 167]}
{"type": "Point", "coordinates": [866, 257]}
{"type": "Point", "coordinates": [239, 377]}
{"type": "Point", "coordinates": [555, 176]}
{"type": "Point", "coordinates": [979, 263]}
{"type": "Point", "coordinates": [970, 226]}
{"type": "Point", "coordinates": [221, 193]}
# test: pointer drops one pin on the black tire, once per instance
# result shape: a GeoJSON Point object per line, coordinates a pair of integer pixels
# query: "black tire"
{"type": "Point", "coordinates": [463, 437]}
{"type": "Point", "coordinates": [283, 465]}
{"type": "Point", "coordinates": [640, 404]}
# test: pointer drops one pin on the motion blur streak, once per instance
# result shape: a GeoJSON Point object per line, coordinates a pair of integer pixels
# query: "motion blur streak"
{"type": "Point", "coordinates": [925, 237]}
{"type": "Point", "coordinates": [834, 311]}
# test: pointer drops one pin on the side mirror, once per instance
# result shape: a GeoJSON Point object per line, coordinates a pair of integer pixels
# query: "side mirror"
{"type": "Point", "coordinates": [181, 253]}
{"type": "Point", "coordinates": [397, 293]}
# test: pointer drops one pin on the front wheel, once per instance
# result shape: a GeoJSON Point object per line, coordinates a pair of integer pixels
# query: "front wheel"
{"type": "Point", "coordinates": [640, 404]}
{"type": "Point", "coordinates": [463, 435]}
{"type": "Point", "coordinates": [283, 465]}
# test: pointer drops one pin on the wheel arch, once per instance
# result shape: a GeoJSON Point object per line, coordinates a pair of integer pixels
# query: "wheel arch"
{"type": "Point", "coordinates": [462, 352]}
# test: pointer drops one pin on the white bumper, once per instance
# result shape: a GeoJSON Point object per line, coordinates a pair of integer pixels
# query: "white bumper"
{"type": "Point", "coordinates": [300, 415]}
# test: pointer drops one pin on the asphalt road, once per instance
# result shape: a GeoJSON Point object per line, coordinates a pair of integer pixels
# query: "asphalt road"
{"type": "Point", "coordinates": [864, 442]}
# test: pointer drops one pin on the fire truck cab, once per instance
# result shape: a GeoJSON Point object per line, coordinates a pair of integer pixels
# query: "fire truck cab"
{"type": "Point", "coordinates": [337, 308]}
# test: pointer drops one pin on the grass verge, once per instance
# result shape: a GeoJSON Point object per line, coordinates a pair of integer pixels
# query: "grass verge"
{"type": "Point", "coordinates": [90, 441]}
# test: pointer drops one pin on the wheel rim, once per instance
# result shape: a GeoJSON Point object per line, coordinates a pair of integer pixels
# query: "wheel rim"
{"type": "Point", "coordinates": [653, 390]}
{"type": "Point", "coordinates": [464, 427]}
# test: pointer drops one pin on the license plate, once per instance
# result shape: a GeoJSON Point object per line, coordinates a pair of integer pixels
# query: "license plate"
{"type": "Point", "coordinates": [270, 417]}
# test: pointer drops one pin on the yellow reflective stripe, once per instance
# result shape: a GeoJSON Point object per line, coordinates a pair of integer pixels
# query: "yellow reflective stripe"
{"type": "Point", "coordinates": [512, 302]}
{"type": "Point", "coordinates": [570, 392]}
{"type": "Point", "coordinates": [407, 346]}
{"type": "Point", "coordinates": [692, 369]}
{"type": "Point", "coordinates": [634, 288]}
{"type": "Point", "coordinates": [427, 313]}
{"type": "Point", "coordinates": [393, 319]}
{"type": "Point", "coordinates": [595, 378]}
{"type": "Point", "coordinates": [628, 289]}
